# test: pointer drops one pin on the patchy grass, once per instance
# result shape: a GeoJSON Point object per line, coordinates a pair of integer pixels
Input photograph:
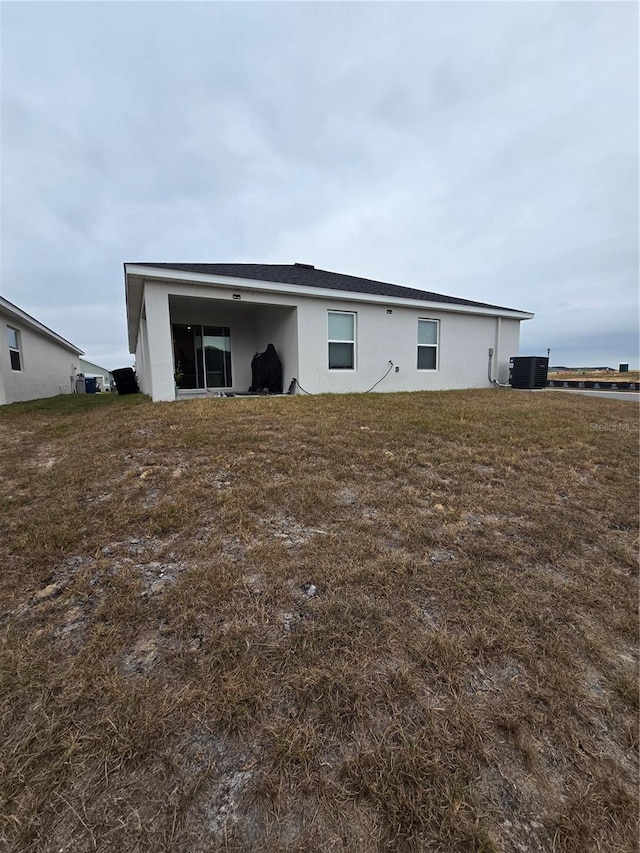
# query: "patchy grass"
{"type": "Point", "coordinates": [400, 622]}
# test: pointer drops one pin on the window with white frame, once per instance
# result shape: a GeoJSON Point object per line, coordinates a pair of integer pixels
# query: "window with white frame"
{"type": "Point", "coordinates": [342, 340]}
{"type": "Point", "coordinates": [428, 335]}
{"type": "Point", "coordinates": [15, 357]}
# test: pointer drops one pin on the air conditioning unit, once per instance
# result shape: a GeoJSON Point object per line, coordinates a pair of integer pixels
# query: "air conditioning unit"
{"type": "Point", "coordinates": [528, 371]}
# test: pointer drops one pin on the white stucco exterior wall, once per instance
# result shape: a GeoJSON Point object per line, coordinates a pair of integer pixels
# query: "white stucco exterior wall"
{"type": "Point", "coordinates": [507, 345]}
{"type": "Point", "coordinates": [279, 326]}
{"type": "Point", "coordinates": [463, 352]}
{"type": "Point", "coordinates": [297, 326]}
{"type": "Point", "coordinates": [46, 365]}
{"type": "Point", "coordinates": [159, 381]}
{"type": "Point", "coordinates": [142, 357]}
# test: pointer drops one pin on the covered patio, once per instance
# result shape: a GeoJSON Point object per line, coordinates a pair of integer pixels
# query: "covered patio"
{"type": "Point", "coordinates": [214, 341]}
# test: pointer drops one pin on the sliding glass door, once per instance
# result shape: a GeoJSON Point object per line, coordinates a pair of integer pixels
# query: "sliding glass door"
{"type": "Point", "coordinates": [184, 356]}
{"type": "Point", "coordinates": [202, 356]}
{"type": "Point", "coordinates": [213, 345]}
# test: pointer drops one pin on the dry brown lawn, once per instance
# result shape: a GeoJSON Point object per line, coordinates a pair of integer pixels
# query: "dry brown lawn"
{"type": "Point", "coordinates": [595, 375]}
{"type": "Point", "coordinates": [402, 622]}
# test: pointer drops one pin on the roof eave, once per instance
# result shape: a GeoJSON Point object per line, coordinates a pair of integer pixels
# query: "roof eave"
{"type": "Point", "coordinates": [133, 299]}
{"type": "Point", "coordinates": [20, 316]}
{"type": "Point", "coordinates": [141, 272]}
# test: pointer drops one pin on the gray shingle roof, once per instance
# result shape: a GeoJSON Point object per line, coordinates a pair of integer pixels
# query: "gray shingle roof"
{"type": "Point", "coordinates": [305, 275]}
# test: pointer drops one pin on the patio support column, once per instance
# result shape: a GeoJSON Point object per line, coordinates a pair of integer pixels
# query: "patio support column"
{"type": "Point", "coordinates": [142, 362]}
{"type": "Point", "coordinates": [3, 396]}
{"type": "Point", "coordinates": [159, 344]}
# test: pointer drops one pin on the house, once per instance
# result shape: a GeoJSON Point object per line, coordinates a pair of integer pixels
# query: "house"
{"type": "Point", "coordinates": [101, 374]}
{"type": "Point", "coordinates": [202, 324]}
{"type": "Point", "coordinates": [34, 361]}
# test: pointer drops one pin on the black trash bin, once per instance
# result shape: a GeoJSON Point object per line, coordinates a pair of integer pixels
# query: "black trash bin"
{"type": "Point", "coordinates": [125, 379]}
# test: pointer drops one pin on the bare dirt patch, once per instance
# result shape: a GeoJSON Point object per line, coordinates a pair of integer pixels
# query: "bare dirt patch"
{"type": "Point", "coordinates": [368, 623]}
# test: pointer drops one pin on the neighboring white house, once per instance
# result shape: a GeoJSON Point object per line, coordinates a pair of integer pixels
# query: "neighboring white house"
{"type": "Point", "coordinates": [104, 377]}
{"type": "Point", "coordinates": [333, 332]}
{"type": "Point", "coordinates": [34, 361]}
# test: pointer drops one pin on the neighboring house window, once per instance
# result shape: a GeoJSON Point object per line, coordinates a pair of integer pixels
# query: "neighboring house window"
{"type": "Point", "coordinates": [13, 336]}
{"type": "Point", "coordinates": [428, 332]}
{"type": "Point", "coordinates": [342, 340]}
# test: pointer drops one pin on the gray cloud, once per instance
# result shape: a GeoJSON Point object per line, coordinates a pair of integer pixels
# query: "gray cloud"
{"type": "Point", "coordinates": [483, 150]}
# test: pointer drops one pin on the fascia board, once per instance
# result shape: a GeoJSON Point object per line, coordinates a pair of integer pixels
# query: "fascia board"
{"type": "Point", "coordinates": [19, 316]}
{"type": "Point", "coordinates": [149, 273]}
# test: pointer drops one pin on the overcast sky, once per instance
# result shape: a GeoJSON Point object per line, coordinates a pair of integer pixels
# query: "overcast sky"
{"type": "Point", "coordinates": [482, 150]}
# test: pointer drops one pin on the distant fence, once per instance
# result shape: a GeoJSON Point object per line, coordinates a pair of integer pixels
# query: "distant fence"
{"type": "Point", "coordinates": [592, 383]}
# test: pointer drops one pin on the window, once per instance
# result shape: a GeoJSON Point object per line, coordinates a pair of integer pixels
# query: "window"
{"type": "Point", "coordinates": [342, 340]}
{"type": "Point", "coordinates": [428, 344]}
{"type": "Point", "coordinates": [13, 336]}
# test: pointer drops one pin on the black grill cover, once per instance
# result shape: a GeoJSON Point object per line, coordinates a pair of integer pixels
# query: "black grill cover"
{"type": "Point", "coordinates": [266, 371]}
